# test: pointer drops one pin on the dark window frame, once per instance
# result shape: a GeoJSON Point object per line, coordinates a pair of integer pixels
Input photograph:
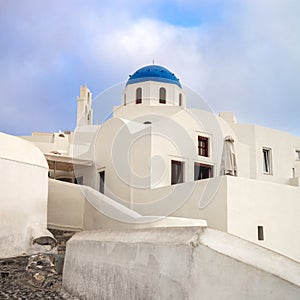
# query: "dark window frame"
{"type": "Point", "coordinates": [267, 160]}
{"type": "Point", "coordinates": [138, 95]}
{"type": "Point", "coordinates": [203, 146]}
{"type": "Point", "coordinates": [260, 233]}
{"type": "Point", "coordinates": [206, 167]}
{"type": "Point", "coordinates": [177, 172]}
{"type": "Point", "coordinates": [162, 95]}
{"type": "Point", "coordinates": [101, 181]}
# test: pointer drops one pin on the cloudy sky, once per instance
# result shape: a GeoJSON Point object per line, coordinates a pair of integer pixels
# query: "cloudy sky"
{"type": "Point", "coordinates": [240, 55]}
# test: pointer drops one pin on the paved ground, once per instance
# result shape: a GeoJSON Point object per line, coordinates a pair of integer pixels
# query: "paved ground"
{"type": "Point", "coordinates": [16, 281]}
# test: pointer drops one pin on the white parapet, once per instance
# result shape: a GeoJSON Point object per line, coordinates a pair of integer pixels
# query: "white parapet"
{"type": "Point", "coordinates": [176, 263]}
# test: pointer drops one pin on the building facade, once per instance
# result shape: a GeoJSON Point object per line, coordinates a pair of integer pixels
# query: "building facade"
{"type": "Point", "coordinates": [159, 157]}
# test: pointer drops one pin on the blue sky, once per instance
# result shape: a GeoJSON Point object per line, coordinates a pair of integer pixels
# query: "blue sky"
{"type": "Point", "coordinates": [242, 56]}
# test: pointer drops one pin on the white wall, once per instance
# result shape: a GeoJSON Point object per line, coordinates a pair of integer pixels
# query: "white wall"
{"type": "Point", "coordinates": [77, 207]}
{"type": "Point", "coordinates": [235, 205]}
{"type": "Point", "coordinates": [135, 155]}
{"type": "Point", "coordinates": [23, 194]}
{"type": "Point", "coordinates": [150, 93]}
{"type": "Point", "coordinates": [48, 142]}
{"type": "Point", "coordinates": [113, 140]}
{"type": "Point", "coordinates": [231, 204]}
{"type": "Point", "coordinates": [282, 145]}
{"type": "Point", "coordinates": [65, 205]}
{"type": "Point", "coordinates": [175, 263]}
{"type": "Point", "coordinates": [276, 207]}
{"type": "Point", "coordinates": [204, 199]}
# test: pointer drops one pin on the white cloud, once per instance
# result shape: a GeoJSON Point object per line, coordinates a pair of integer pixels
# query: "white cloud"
{"type": "Point", "coordinates": [244, 60]}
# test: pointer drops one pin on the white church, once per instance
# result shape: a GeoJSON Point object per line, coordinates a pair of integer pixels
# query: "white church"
{"type": "Point", "coordinates": [156, 158]}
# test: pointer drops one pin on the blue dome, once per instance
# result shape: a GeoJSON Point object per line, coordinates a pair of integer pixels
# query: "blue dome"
{"type": "Point", "coordinates": [154, 73]}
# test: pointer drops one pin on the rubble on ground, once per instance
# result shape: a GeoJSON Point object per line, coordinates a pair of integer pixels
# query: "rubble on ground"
{"type": "Point", "coordinates": [37, 276]}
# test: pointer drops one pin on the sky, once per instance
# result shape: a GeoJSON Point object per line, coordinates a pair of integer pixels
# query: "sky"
{"type": "Point", "coordinates": [240, 55]}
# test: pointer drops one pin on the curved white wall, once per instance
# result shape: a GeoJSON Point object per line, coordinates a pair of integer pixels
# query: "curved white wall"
{"type": "Point", "coordinates": [150, 94]}
{"type": "Point", "coordinates": [23, 194]}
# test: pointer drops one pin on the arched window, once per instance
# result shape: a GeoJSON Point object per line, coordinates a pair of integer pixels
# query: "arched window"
{"type": "Point", "coordinates": [162, 95]}
{"type": "Point", "coordinates": [124, 99]}
{"type": "Point", "coordinates": [138, 96]}
{"type": "Point", "coordinates": [180, 99]}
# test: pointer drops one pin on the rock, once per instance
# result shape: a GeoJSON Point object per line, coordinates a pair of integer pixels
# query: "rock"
{"type": "Point", "coordinates": [39, 277]}
{"type": "Point", "coordinates": [40, 270]}
{"type": "Point", "coordinates": [22, 277]}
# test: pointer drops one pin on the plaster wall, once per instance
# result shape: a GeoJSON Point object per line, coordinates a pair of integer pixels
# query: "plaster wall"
{"type": "Point", "coordinates": [42, 137]}
{"type": "Point", "coordinates": [150, 93]}
{"type": "Point", "coordinates": [138, 155]}
{"type": "Point", "coordinates": [147, 113]}
{"type": "Point", "coordinates": [23, 195]}
{"type": "Point", "coordinates": [115, 141]}
{"type": "Point", "coordinates": [77, 207]}
{"type": "Point", "coordinates": [50, 142]}
{"type": "Point", "coordinates": [235, 205]}
{"type": "Point", "coordinates": [209, 265]}
{"type": "Point", "coordinates": [204, 199]}
{"type": "Point", "coordinates": [74, 207]}
{"type": "Point", "coordinates": [231, 204]}
{"type": "Point", "coordinates": [276, 207]}
{"type": "Point", "coordinates": [65, 205]}
{"type": "Point", "coordinates": [283, 156]}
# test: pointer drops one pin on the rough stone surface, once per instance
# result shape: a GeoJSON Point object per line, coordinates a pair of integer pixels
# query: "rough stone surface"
{"type": "Point", "coordinates": [36, 276]}
{"type": "Point", "coordinates": [176, 263]}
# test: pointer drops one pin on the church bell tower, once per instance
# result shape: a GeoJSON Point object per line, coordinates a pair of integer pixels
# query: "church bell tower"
{"type": "Point", "coordinates": [84, 107]}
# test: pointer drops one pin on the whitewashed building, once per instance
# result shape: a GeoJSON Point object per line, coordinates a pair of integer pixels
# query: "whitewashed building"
{"type": "Point", "coordinates": [158, 157]}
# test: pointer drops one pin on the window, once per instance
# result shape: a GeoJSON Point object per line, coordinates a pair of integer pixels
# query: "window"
{"type": "Point", "coordinates": [124, 99]}
{"type": "Point", "coordinates": [102, 180]}
{"type": "Point", "coordinates": [260, 233]}
{"type": "Point", "coordinates": [297, 154]}
{"type": "Point", "coordinates": [202, 171]}
{"type": "Point", "coordinates": [138, 96]}
{"type": "Point", "coordinates": [162, 95]}
{"type": "Point", "coordinates": [267, 160]}
{"type": "Point", "coordinates": [203, 146]}
{"type": "Point", "coordinates": [180, 99]}
{"type": "Point", "coordinates": [176, 171]}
